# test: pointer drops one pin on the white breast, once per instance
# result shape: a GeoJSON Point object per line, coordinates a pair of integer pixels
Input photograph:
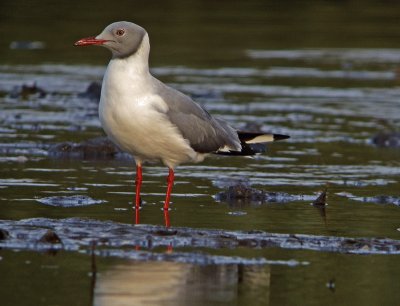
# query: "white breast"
{"type": "Point", "coordinates": [134, 117]}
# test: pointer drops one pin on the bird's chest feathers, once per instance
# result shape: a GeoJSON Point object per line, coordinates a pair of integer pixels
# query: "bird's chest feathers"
{"type": "Point", "coordinates": [134, 110]}
{"type": "Point", "coordinates": [129, 109]}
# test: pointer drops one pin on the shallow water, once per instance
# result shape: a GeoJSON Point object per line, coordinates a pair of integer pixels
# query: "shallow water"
{"type": "Point", "coordinates": [324, 73]}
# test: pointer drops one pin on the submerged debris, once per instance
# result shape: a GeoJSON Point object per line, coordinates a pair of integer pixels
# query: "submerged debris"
{"type": "Point", "coordinates": [387, 140]}
{"type": "Point", "coordinates": [95, 148]}
{"type": "Point", "coordinates": [69, 201]}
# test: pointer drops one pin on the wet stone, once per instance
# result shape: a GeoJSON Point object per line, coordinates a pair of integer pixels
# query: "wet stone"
{"type": "Point", "coordinates": [92, 92]}
{"type": "Point", "coordinates": [95, 148]}
{"type": "Point", "coordinates": [321, 200]}
{"type": "Point", "coordinates": [387, 140]}
{"type": "Point", "coordinates": [241, 193]}
{"type": "Point", "coordinates": [69, 201]}
{"type": "Point", "coordinates": [27, 90]}
{"type": "Point", "coordinates": [4, 234]}
{"type": "Point", "coordinates": [50, 237]}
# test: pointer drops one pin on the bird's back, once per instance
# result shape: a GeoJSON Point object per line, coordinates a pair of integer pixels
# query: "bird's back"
{"type": "Point", "coordinates": [204, 132]}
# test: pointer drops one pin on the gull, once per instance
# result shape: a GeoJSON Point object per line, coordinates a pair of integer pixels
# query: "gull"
{"type": "Point", "coordinates": [153, 121]}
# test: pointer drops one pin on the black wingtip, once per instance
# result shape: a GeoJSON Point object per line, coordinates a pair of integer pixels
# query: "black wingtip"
{"type": "Point", "coordinates": [280, 137]}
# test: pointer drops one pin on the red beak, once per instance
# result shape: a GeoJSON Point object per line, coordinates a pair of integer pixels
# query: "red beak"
{"type": "Point", "coordinates": [88, 41]}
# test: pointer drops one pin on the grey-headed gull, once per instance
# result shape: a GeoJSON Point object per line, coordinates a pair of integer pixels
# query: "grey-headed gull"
{"type": "Point", "coordinates": [152, 121]}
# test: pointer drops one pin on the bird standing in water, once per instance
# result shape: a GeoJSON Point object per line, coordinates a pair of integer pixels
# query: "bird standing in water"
{"type": "Point", "coordinates": [152, 121]}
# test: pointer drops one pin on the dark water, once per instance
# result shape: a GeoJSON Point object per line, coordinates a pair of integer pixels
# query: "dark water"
{"type": "Point", "coordinates": [324, 72]}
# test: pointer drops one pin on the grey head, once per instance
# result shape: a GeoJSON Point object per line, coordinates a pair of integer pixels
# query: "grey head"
{"type": "Point", "coordinates": [122, 38]}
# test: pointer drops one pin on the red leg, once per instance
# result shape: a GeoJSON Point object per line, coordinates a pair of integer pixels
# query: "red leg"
{"type": "Point", "coordinates": [138, 182]}
{"type": "Point", "coordinates": [170, 181]}
{"type": "Point", "coordinates": [166, 218]}
{"type": "Point", "coordinates": [137, 216]}
{"type": "Point", "coordinates": [169, 248]}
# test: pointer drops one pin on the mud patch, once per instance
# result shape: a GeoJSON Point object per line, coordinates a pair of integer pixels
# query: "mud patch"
{"type": "Point", "coordinates": [113, 238]}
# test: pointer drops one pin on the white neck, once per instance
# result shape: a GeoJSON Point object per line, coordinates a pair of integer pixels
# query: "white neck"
{"type": "Point", "coordinates": [137, 63]}
{"type": "Point", "coordinates": [129, 74]}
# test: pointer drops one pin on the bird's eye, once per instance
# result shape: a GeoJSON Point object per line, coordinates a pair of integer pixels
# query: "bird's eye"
{"type": "Point", "coordinates": [120, 32]}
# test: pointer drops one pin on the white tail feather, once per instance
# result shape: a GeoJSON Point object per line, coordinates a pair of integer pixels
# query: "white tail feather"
{"type": "Point", "coordinates": [261, 139]}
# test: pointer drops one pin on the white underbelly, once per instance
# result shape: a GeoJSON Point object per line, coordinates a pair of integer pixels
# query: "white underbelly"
{"type": "Point", "coordinates": [142, 130]}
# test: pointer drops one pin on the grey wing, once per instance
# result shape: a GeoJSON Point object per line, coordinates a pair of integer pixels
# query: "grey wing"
{"type": "Point", "coordinates": [205, 133]}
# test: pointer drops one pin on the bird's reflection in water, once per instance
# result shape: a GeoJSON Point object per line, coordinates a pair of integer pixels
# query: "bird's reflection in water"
{"type": "Point", "coordinates": [169, 283]}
